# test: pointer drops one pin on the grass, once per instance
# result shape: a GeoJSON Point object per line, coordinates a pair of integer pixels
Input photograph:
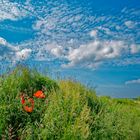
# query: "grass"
{"type": "Point", "coordinates": [70, 111]}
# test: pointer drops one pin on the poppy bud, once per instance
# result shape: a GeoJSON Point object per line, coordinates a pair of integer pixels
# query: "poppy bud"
{"type": "Point", "coordinates": [22, 99]}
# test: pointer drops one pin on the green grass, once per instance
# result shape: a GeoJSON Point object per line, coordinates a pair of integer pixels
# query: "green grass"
{"type": "Point", "coordinates": [70, 111]}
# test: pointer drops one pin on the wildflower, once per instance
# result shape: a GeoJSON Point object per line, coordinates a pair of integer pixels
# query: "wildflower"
{"type": "Point", "coordinates": [28, 109]}
{"type": "Point", "coordinates": [22, 99]}
{"type": "Point", "coordinates": [24, 102]}
{"type": "Point", "coordinates": [39, 94]}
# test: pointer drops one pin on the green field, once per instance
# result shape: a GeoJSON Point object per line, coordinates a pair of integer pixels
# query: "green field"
{"type": "Point", "coordinates": [69, 111]}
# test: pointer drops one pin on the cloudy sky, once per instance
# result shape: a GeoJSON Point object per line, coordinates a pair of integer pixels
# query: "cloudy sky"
{"type": "Point", "coordinates": [95, 42]}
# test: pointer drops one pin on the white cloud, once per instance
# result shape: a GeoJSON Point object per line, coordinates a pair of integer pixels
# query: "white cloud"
{"type": "Point", "coordinates": [69, 27]}
{"type": "Point", "coordinates": [23, 54]}
{"type": "Point", "coordinates": [95, 53]}
{"type": "Point", "coordinates": [137, 81]}
{"type": "Point", "coordinates": [13, 11]}
{"type": "Point", "coordinates": [3, 41]}
{"type": "Point", "coordinates": [111, 39]}
{"type": "Point", "coordinates": [94, 33]}
{"type": "Point", "coordinates": [58, 52]}
{"type": "Point", "coordinates": [53, 49]}
{"type": "Point", "coordinates": [12, 53]}
{"type": "Point", "coordinates": [130, 24]}
{"type": "Point", "coordinates": [5, 44]}
{"type": "Point", "coordinates": [135, 48]}
{"type": "Point", "coordinates": [45, 51]}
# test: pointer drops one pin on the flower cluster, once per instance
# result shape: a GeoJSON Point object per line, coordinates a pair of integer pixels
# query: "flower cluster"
{"type": "Point", "coordinates": [28, 104]}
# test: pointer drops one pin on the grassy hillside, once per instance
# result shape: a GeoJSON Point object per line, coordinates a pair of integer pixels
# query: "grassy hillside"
{"type": "Point", "coordinates": [66, 110]}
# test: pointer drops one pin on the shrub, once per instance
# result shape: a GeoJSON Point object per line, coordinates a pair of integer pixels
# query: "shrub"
{"type": "Point", "coordinates": [21, 81]}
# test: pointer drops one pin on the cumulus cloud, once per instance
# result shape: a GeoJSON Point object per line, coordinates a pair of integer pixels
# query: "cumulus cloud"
{"type": "Point", "coordinates": [96, 52]}
{"type": "Point", "coordinates": [137, 81]}
{"type": "Point", "coordinates": [58, 51]}
{"type": "Point", "coordinates": [23, 54]}
{"type": "Point", "coordinates": [13, 53]}
{"type": "Point", "coordinates": [49, 51]}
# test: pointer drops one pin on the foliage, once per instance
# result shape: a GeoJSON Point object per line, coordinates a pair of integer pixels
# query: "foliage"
{"type": "Point", "coordinates": [70, 111]}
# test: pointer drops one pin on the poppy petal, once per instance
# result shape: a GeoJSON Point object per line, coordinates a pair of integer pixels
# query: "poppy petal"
{"type": "Point", "coordinates": [22, 99]}
{"type": "Point", "coordinates": [28, 109]}
{"type": "Point", "coordinates": [39, 94]}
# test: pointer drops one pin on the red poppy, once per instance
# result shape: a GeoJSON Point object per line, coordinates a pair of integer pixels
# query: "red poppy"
{"type": "Point", "coordinates": [39, 94]}
{"type": "Point", "coordinates": [30, 101]}
{"type": "Point", "coordinates": [28, 109]}
{"type": "Point", "coordinates": [22, 99]}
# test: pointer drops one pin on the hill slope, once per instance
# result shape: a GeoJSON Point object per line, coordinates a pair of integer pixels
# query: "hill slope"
{"type": "Point", "coordinates": [66, 110]}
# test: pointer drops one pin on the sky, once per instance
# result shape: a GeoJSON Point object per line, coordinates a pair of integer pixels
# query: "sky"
{"type": "Point", "coordinates": [94, 42]}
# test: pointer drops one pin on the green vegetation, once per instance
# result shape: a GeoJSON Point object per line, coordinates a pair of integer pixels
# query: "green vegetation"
{"type": "Point", "coordinates": [70, 111]}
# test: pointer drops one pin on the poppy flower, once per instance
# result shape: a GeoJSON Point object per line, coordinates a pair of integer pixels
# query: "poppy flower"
{"type": "Point", "coordinates": [22, 99]}
{"type": "Point", "coordinates": [39, 94]}
{"type": "Point", "coordinates": [28, 109]}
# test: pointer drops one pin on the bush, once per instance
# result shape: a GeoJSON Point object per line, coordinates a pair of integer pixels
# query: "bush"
{"type": "Point", "coordinates": [19, 81]}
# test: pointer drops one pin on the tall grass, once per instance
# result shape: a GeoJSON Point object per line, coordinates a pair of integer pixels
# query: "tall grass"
{"type": "Point", "coordinates": [70, 111]}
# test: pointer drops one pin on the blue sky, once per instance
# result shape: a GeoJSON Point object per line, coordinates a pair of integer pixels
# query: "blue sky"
{"type": "Point", "coordinates": [95, 42]}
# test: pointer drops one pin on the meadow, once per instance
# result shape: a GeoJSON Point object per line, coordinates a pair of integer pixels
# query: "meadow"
{"type": "Point", "coordinates": [35, 107]}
